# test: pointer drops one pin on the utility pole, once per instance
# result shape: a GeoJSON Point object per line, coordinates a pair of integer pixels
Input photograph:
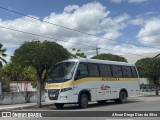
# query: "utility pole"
{"type": "Point", "coordinates": [97, 48]}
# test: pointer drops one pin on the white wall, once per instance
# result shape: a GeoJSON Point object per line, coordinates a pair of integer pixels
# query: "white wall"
{"type": "Point", "coordinates": [143, 80]}
{"type": "Point", "coordinates": [18, 97]}
{"type": "Point", "coordinates": [21, 86]}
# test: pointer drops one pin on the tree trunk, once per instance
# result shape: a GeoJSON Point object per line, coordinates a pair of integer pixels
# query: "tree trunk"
{"type": "Point", "coordinates": [156, 78]}
{"type": "Point", "coordinates": [38, 94]}
{"type": "Point", "coordinates": [157, 90]}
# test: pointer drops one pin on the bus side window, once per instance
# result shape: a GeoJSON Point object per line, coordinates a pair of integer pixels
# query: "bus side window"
{"type": "Point", "coordinates": [117, 71]}
{"type": "Point", "coordinates": [126, 71]}
{"type": "Point", "coordinates": [105, 70]}
{"type": "Point", "coordinates": [93, 70]}
{"type": "Point", "coordinates": [134, 72]}
{"type": "Point", "coordinates": [82, 71]}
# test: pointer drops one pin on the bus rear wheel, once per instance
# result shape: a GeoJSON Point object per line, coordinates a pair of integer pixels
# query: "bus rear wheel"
{"type": "Point", "coordinates": [122, 98]}
{"type": "Point", "coordinates": [59, 105]}
{"type": "Point", "coordinates": [83, 100]}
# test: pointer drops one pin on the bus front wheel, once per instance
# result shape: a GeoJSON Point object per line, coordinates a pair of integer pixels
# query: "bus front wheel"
{"type": "Point", "coordinates": [83, 100]}
{"type": "Point", "coordinates": [59, 105]}
{"type": "Point", "coordinates": [122, 98]}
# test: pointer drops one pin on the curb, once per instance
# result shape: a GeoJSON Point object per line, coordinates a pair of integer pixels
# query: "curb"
{"type": "Point", "coordinates": [18, 107]}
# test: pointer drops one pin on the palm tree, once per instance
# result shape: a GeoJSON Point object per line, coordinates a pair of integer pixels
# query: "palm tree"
{"type": "Point", "coordinates": [2, 55]}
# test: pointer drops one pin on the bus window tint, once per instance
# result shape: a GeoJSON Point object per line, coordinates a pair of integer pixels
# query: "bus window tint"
{"type": "Point", "coordinates": [117, 71]}
{"type": "Point", "coordinates": [82, 68]}
{"type": "Point", "coordinates": [134, 72]}
{"type": "Point", "coordinates": [93, 70]}
{"type": "Point", "coordinates": [126, 71]}
{"type": "Point", "coordinates": [105, 70]}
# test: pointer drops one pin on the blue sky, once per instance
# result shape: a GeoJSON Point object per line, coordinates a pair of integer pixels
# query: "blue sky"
{"type": "Point", "coordinates": [131, 21]}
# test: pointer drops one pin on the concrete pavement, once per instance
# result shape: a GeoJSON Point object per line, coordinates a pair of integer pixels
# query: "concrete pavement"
{"type": "Point", "coordinates": [33, 105]}
{"type": "Point", "coordinates": [20, 106]}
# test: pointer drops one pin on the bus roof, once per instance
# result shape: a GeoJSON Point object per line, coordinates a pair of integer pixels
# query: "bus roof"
{"type": "Point", "coordinates": [99, 61]}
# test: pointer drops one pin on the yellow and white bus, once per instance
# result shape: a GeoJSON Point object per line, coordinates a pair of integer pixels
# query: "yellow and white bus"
{"type": "Point", "coordinates": [81, 81]}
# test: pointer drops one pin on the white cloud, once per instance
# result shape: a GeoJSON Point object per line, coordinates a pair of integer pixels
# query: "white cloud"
{"type": "Point", "coordinates": [137, 21]}
{"type": "Point", "coordinates": [71, 8]}
{"type": "Point", "coordinates": [117, 1]}
{"type": "Point", "coordinates": [92, 18]}
{"type": "Point", "coordinates": [149, 34]}
{"type": "Point", "coordinates": [137, 1]}
{"type": "Point", "coordinates": [122, 18]}
{"type": "Point", "coordinates": [129, 1]}
{"type": "Point", "coordinates": [115, 24]}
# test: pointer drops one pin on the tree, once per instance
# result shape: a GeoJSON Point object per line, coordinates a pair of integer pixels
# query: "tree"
{"type": "Point", "coordinates": [5, 82]}
{"type": "Point", "coordinates": [2, 55]}
{"type": "Point", "coordinates": [109, 57]}
{"type": "Point", "coordinates": [29, 74]}
{"type": "Point", "coordinates": [2, 60]}
{"type": "Point", "coordinates": [150, 68]}
{"type": "Point", "coordinates": [41, 56]}
{"type": "Point", "coordinates": [16, 72]}
{"type": "Point", "coordinates": [12, 71]}
{"type": "Point", "coordinates": [78, 54]}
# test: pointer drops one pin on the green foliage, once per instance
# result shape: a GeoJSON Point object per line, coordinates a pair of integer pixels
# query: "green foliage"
{"type": "Point", "coordinates": [78, 54]}
{"type": "Point", "coordinates": [40, 55]}
{"type": "Point", "coordinates": [2, 55]}
{"type": "Point", "coordinates": [5, 85]}
{"type": "Point", "coordinates": [109, 57]}
{"type": "Point", "coordinates": [148, 67]}
{"type": "Point", "coordinates": [151, 81]}
{"type": "Point", "coordinates": [12, 71]}
{"type": "Point", "coordinates": [34, 84]}
{"type": "Point", "coordinates": [17, 72]}
{"type": "Point", "coordinates": [29, 73]}
{"type": "Point", "coordinates": [5, 82]}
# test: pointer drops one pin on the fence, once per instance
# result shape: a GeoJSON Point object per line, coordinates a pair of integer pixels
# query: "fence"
{"type": "Point", "coordinates": [19, 97]}
{"type": "Point", "coordinates": [146, 89]}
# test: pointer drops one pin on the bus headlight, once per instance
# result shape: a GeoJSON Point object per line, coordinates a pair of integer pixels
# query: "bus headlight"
{"type": "Point", "coordinates": [66, 89]}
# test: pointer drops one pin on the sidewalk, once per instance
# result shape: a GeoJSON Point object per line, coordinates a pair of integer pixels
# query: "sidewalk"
{"type": "Point", "coordinates": [20, 106]}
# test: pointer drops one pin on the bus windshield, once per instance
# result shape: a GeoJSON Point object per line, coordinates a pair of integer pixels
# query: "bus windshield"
{"type": "Point", "coordinates": [61, 72]}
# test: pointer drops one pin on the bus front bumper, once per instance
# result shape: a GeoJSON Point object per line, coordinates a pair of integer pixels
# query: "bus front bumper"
{"type": "Point", "coordinates": [58, 97]}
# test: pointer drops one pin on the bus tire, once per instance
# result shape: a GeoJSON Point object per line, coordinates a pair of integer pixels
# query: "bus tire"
{"type": "Point", "coordinates": [59, 105]}
{"type": "Point", "coordinates": [83, 100]}
{"type": "Point", "coordinates": [101, 102]}
{"type": "Point", "coordinates": [122, 97]}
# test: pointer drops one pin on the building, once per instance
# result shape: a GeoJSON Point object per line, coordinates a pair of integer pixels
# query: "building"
{"type": "Point", "coordinates": [134, 58]}
{"type": "Point", "coordinates": [21, 86]}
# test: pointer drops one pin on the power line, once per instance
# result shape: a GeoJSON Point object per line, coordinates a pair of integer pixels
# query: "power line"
{"type": "Point", "coordinates": [74, 29]}
{"type": "Point", "coordinates": [51, 38]}
{"type": "Point", "coordinates": [97, 48]}
{"type": "Point", "coordinates": [41, 36]}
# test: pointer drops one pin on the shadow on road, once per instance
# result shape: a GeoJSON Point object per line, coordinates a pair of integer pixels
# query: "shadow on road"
{"type": "Point", "coordinates": [91, 105]}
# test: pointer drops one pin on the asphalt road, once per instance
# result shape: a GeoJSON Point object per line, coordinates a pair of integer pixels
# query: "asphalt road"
{"type": "Point", "coordinates": [94, 109]}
